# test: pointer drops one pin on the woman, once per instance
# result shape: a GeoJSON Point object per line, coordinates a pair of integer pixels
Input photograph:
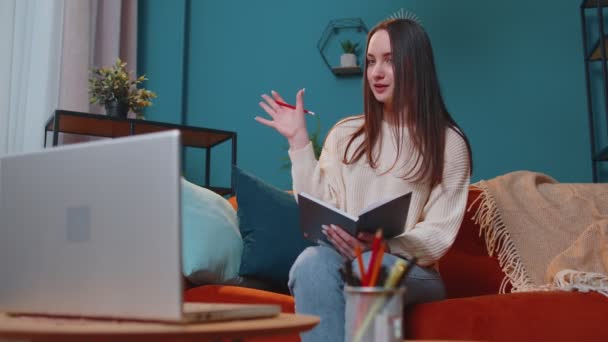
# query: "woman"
{"type": "Point", "coordinates": [405, 141]}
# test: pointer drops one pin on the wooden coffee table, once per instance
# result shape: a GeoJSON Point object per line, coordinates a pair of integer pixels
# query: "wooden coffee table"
{"type": "Point", "coordinates": [60, 329]}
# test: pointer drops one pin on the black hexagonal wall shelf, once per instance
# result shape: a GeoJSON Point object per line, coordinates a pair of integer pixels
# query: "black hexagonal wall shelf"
{"type": "Point", "coordinates": [336, 28]}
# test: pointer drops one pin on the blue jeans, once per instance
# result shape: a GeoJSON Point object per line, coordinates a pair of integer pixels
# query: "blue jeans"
{"type": "Point", "coordinates": [317, 287]}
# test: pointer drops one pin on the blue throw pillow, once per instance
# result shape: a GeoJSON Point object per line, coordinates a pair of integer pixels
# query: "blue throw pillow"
{"type": "Point", "coordinates": [211, 242]}
{"type": "Point", "coordinates": [270, 227]}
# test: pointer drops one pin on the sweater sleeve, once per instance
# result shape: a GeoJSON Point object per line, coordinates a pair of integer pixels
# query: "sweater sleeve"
{"type": "Point", "coordinates": [321, 178]}
{"type": "Point", "coordinates": [443, 212]}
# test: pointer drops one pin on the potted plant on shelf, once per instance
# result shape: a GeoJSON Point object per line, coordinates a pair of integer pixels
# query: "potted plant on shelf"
{"type": "Point", "coordinates": [349, 57]}
{"type": "Point", "coordinates": [117, 92]}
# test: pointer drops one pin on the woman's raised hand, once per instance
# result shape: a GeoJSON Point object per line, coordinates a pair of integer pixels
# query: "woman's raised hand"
{"type": "Point", "coordinates": [290, 123]}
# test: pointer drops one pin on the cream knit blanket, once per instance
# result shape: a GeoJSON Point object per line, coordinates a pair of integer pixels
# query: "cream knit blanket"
{"type": "Point", "coordinates": [547, 235]}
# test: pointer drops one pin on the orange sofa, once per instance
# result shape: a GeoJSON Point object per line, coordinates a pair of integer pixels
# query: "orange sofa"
{"type": "Point", "coordinates": [474, 310]}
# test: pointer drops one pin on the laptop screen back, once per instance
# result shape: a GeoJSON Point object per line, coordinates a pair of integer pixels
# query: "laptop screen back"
{"type": "Point", "coordinates": [92, 229]}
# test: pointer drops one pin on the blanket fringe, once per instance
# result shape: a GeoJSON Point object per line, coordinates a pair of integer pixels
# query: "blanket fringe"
{"type": "Point", "coordinates": [569, 280]}
{"type": "Point", "coordinates": [498, 241]}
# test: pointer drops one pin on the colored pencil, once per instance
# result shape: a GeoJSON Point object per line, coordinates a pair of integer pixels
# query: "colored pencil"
{"type": "Point", "coordinates": [280, 103]}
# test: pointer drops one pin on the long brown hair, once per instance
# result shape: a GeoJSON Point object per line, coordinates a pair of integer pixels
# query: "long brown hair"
{"type": "Point", "coordinates": [417, 105]}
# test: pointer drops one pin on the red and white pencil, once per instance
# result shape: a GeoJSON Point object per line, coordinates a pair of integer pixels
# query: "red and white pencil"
{"type": "Point", "coordinates": [280, 103]}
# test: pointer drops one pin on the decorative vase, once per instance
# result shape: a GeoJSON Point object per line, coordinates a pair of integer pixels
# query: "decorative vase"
{"type": "Point", "coordinates": [117, 108]}
{"type": "Point", "coordinates": [348, 60]}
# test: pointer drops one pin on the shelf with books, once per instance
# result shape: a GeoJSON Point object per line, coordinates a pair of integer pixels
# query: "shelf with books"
{"type": "Point", "coordinates": [593, 3]}
{"type": "Point", "coordinates": [596, 53]}
{"type": "Point", "coordinates": [593, 26]}
{"type": "Point", "coordinates": [602, 155]}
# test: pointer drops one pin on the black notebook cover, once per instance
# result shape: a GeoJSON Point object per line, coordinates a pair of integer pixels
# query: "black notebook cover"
{"type": "Point", "coordinates": [390, 215]}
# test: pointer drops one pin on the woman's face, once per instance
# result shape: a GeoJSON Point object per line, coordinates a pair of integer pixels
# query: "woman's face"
{"type": "Point", "coordinates": [380, 68]}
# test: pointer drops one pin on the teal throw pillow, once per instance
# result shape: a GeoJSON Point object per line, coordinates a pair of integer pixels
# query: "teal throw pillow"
{"type": "Point", "coordinates": [269, 224]}
{"type": "Point", "coordinates": [211, 241]}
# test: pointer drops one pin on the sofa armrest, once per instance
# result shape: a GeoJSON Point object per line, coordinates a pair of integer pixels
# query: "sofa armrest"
{"type": "Point", "coordinates": [467, 270]}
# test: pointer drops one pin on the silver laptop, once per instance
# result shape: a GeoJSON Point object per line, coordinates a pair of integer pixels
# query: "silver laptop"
{"type": "Point", "coordinates": [93, 230]}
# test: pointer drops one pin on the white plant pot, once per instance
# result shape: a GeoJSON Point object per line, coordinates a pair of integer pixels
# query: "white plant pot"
{"type": "Point", "coordinates": [348, 60]}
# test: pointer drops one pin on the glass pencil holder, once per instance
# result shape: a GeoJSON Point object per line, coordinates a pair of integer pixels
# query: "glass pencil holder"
{"type": "Point", "coordinates": [374, 314]}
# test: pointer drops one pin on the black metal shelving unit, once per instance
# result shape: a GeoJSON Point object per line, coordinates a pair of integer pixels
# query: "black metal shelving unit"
{"type": "Point", "coordinates": [597, 54]}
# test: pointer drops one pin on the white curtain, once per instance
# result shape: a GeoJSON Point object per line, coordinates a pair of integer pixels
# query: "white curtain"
{"type": "Point", "coordinates": [30, 55]}
{"type": "Point", "coordinates": [95, 33]}
{"type": "Point", "coordinates": [46, 50]}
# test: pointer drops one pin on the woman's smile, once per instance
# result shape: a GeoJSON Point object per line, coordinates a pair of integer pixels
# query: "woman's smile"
{"type": "Point", "coordinates": [380, 87]}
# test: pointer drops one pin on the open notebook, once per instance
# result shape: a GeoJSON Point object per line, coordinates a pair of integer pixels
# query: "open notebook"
{"type": "Point", "coordinates": [389, 214]}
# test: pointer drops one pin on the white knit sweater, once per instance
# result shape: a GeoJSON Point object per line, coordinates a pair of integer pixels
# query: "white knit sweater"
{"type": "Point", "coordinates": [434, 215]}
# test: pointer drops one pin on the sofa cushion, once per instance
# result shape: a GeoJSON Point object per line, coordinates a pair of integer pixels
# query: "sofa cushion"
{"type": "Point", "coordinates": [235, 294]}
{"type": "Point", "coordinates": [530, 316]}
{"type": "Point", "coordinates": [269, 224]}
{"type": "Point", "coordinates": [211, 241]}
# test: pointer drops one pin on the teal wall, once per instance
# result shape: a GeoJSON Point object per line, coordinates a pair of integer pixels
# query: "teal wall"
{"type": "Point", "coordinates": [512, 74]}
{"type": "Point", "coordinates": [160, 55]}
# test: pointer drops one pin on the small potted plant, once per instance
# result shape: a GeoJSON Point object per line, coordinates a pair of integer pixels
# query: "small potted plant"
{"type": "Point", "coordinates": [113, 88]}
{"type": "Point", "coordinates": [349, 57]}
